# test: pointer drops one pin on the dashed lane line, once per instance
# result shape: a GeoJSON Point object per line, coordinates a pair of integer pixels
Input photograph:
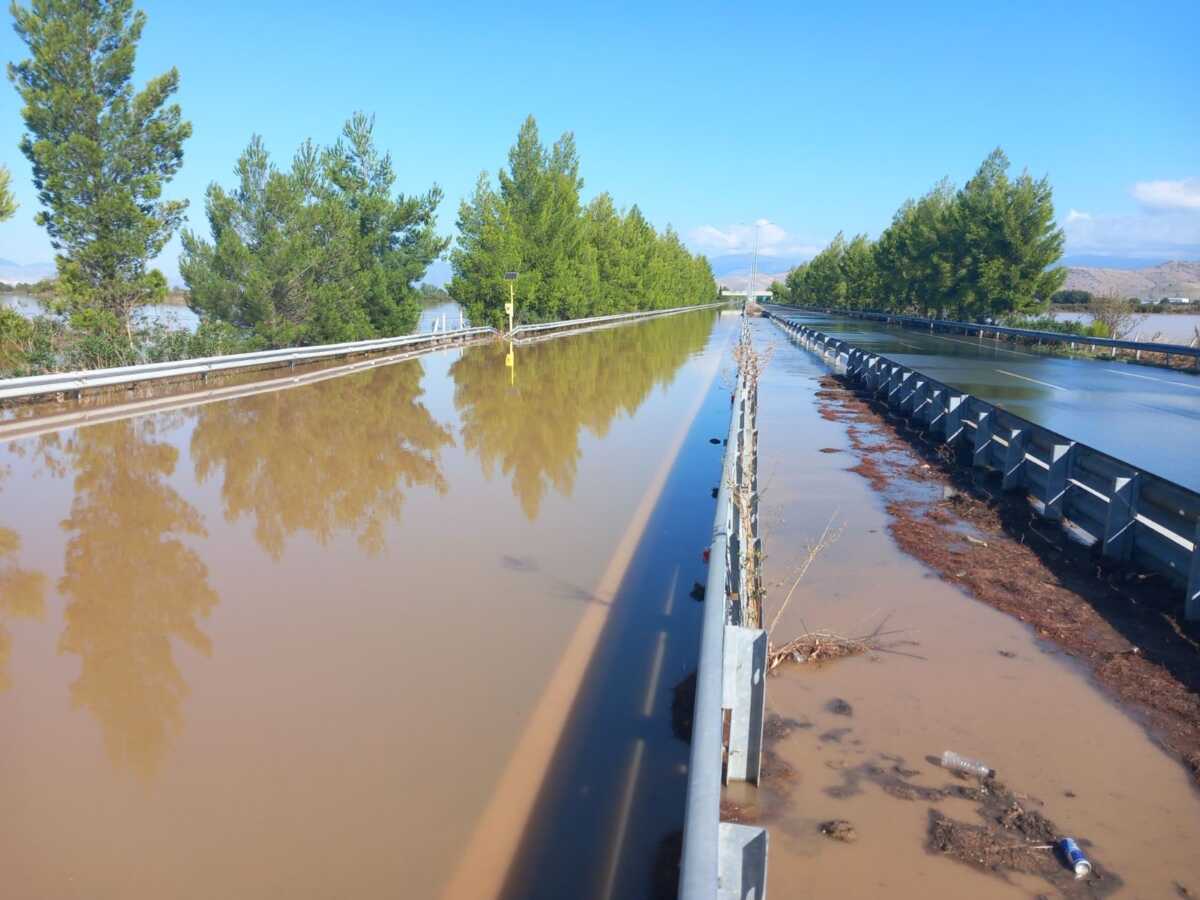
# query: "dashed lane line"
{"type": "Point", "coordinates": [1034, 380]}
{"type": "Point", "coordinates": [1195, 387]}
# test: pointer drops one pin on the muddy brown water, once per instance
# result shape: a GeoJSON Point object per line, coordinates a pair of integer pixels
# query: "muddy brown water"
{"type": "Point", "coordinates": [328, 641]}
{"type": "Point", "coordinates": [1032, 715]}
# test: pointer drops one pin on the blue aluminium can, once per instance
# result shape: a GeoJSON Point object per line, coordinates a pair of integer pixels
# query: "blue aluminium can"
{"type": "Point", "coordinates": [1075, 858]}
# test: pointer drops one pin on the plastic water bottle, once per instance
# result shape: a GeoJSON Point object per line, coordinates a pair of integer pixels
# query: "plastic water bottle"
{"type": "Point", "coordinates": [951, 760]}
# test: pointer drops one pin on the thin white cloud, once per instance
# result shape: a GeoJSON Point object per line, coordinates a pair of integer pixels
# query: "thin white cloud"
{"type": "Point", "coordinates": [1163, 234]}
{"type": "Point", "coordinates": [773, 240]}
{"type": "Point", "coordinates": [1168, 195]}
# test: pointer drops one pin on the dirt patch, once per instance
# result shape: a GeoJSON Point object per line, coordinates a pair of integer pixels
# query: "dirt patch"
{"type": "Point", "coordinates": [1127, 628]}
{"type": "Point", "coordinates": [777, 727]}
{"type": "Point", "coordinates": [839, 707]}
{"type": "Point", "coordinates": [839, 830]}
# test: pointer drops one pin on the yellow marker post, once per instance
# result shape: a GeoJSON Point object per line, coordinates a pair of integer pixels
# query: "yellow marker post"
{"type": "Point", "coordinates": [511, 305]}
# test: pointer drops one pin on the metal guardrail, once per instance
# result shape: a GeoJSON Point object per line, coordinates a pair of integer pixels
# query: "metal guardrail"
{"type": "Point", "coordinates": [41, 385]}
{"type": "Point", "coordinates": [34, 386]}
{"type": "Point", "coordinates": [722, 860]}
{"type": "Point", "coordinates": [1133, 515]}
{"type": "Point", "coordinates": [76, 416]}
{"type": "Point", "coordinates": [1051, 337]}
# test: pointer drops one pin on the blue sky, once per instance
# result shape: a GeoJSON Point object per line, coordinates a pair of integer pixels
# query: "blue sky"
{"type": "Point", "coordinates": [812, 118]}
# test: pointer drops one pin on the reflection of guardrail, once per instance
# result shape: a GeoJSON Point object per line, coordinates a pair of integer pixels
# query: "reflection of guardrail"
{"type": "Point", "coordinates": [67, 382]}
{"type": "Point", "coordinates": [1050, 337]}
{"type": "Point", "coordinates": [538, 327]}
{"type": "Point", "coordinates": [1135, 516]}
{"type": "Point", "coordinates": [722, 859]}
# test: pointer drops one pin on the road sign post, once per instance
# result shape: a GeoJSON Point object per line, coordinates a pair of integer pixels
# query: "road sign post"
{"type": "Point", "coordinates": [511, 305]}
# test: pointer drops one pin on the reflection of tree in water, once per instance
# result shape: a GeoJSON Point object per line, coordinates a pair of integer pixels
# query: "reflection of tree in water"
{"type": "Point", "coordinates": [531, 429]}
{"type": "Point", "coordinates": [332, 456]}
{"type": "Point", "coordinates": [22, 594]}
{"type": "Point", "coordinates": [132, 585]}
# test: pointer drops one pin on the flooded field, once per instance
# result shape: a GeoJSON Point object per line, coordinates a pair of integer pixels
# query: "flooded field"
{"type": "Point", "coordinates": [169, 315]}
{"type": "Point", "coordinates": [952, 674]}
{"type": "Point", "coordinates": [328, 641]}
{"type": "Point", "coordinates": [1171, 328]}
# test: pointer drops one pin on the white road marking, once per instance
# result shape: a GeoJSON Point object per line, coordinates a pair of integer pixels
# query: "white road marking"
{"type": "Point", "coordinates": [1034, 380]}
{"type": "Point", "coordinates": [942, 337]}
{"type": "Point", "coordinates": [655, 674]}
{"type": "Point", "coordinates": [671, 592]}
{"type": "Point", "coordinates": [1195, 387]}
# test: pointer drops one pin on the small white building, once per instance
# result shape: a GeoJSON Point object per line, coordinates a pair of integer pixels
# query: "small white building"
{"type": "Point", "coordinates": [1177, 301]}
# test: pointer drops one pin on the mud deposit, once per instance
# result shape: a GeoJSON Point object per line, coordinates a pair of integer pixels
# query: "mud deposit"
{"type": "Point", "coordinates": [1127, 628]}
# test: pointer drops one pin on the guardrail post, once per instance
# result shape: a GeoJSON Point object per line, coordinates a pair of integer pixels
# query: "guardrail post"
{"type": "Point", "coordinates": [1122, 514]}
{"type": "Point", "coordinates": [931, 409]}
{"type": "Point", "coordinates": [908, 403]}
{"type": "Point", "coordinates": [1057, 477]}
{"type": "Point", "coordinates": [742, 862]}
{"type": "Point", "coordinates": [982, 455]}
{"type": "Point", "coordinates": [745, 667]}
{"type": "Point", "coordinates": [952, 426]}
{"type": "Point", "coordinates": [1014, 460]}
{"type": "Point", "coordinates": [896, 385]}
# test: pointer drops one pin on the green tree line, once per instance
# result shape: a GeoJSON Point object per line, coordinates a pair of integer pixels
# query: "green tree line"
{"type": "Point", "coordinates": [987, 250]}
{"type": "Point", "coordinates": [571, 260]}
{"type": "Point", "coordinates": [323, 250]}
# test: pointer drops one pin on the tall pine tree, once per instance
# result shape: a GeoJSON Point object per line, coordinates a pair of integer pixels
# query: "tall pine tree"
{"type": "Point", "coordinates": [101, 152]}
{"type": "Point", "coordinates": [572, 261]}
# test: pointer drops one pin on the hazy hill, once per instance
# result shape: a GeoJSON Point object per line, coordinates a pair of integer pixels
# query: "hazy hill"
{"type": "Point", "coordinates": [1170, 279]}
{"type": "Point", "coordinates": [15, 273]}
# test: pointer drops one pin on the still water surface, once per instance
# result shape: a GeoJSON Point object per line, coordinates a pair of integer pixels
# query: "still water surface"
{"type": "Point", "coordinates": [290, 644]}
{"type": "Point", "coordinates": [1172, 328]}
{"type": "Point", "coordinates": [170, 315]}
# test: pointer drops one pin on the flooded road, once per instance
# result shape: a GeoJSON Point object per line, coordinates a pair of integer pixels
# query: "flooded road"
{"type": "Point", "coordinates": [327, 641]}
{"type": "Point", "coordinates": [955, 674]}
{"type": "Point", "coordinates": [1110, 405]}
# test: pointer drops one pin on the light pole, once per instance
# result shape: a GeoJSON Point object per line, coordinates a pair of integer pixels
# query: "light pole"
{"type": "Point", "coordinates": [754, 266]}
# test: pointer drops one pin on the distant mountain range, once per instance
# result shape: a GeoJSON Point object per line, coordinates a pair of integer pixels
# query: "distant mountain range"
{"type": "Point", "coordinates": [1169, 279]}
{"type": "Point", "coordinates": [16, 273]}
